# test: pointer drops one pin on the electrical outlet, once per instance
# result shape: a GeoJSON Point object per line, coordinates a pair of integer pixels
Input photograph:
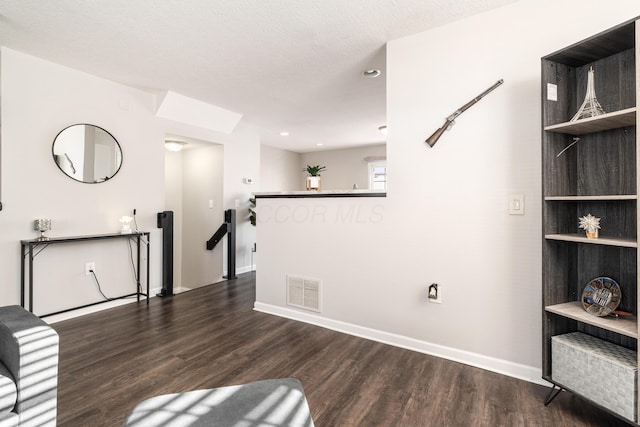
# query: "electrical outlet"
{"type": "Point", "coordinates": [434, 293]}
{"type": "Point", "coordinates": [88, 267]}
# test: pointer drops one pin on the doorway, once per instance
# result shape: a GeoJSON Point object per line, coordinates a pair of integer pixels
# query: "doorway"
{"type": "Point", "coordinates": [193, 191]}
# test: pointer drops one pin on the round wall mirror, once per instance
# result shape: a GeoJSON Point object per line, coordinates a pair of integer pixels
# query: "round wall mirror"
{"type": "Point", "coordinates": [87, 153]}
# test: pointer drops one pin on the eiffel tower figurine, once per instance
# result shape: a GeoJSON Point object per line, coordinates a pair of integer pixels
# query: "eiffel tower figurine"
{"type": "Point", "coordinates": [590, 107]}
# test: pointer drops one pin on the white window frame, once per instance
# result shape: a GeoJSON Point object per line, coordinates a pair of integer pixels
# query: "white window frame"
{"type": "Point", "coordinates": [371, 167]}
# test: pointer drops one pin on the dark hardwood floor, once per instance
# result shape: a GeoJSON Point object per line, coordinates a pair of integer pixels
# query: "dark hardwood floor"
{"type": "Point", "coordinates": [211, 337]}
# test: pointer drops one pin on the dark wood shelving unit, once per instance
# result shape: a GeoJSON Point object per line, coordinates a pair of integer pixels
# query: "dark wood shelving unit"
{"type": "Point", "coordinates": [597, 175]}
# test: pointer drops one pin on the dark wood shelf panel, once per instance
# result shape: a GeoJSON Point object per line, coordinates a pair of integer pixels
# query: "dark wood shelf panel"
{"type": "Point", "coordinates": [599, 46]}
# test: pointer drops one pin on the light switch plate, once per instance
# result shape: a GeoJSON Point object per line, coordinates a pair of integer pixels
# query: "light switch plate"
{"type": "Point", "coordinates": [516, 204]}
{"type": "Point", "coordinates": [552, 92]}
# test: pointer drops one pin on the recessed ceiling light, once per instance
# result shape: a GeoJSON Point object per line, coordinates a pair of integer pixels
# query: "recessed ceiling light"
{"type": "Point", "coordinates": [284, 133]}
{"type": "Point", "coordinates": [371, 74]}
{"type": "Point", "coordinates": [383, 130]}
{"type": "Point", "coordinates": [319, 144]}
{"type": "Point", "coordinates": [174, 145]}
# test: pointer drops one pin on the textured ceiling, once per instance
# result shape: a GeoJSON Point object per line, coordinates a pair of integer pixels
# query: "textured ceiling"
{"type": "Point", "coordinates": [285, 65]}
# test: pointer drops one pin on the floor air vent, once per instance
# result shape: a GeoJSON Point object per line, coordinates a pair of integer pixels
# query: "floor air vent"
{"type": "Point", "coordinates": [303, 293]}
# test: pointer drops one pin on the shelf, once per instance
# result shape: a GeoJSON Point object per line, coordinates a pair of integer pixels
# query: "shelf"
{"type": "Point", "coordinates": [575, 311]}
{"type": "Point", "coordinates": [72, 239]}
{"type": "Point", "coordinates": [608, 121]}
{"type": "Point", "coordinates": [580, 238]}
{"type": "Point", "coordinates": [591, 198]}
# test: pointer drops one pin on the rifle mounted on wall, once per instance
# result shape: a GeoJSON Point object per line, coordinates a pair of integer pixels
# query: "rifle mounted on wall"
{"type": "Point", "coordinates": [449, 121]}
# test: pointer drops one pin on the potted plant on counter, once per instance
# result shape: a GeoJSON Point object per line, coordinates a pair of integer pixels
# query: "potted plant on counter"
{"type": "Point", "coordinates": [252, 211]}
{"type": "Point", "coordinates": [313, 180]}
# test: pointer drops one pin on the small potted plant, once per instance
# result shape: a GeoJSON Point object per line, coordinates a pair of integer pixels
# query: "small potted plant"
{"type": "Point", "coordinates": [313, 180]}
{"type": "Point", "coordinates": [590, 224]}
{"type": "Point", "coordinates": [252, 211]}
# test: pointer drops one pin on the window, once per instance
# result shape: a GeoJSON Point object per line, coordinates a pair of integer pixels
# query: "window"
{"type": "Point", "coordinates": [378, 175]}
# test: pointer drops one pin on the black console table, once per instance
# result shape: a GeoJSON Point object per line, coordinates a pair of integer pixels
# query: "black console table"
{"type": "Point", "coordinates": [27, 252]}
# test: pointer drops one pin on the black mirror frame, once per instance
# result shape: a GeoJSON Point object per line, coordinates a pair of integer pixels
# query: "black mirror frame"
{"type": "Point", "coordinates": [97, 127]}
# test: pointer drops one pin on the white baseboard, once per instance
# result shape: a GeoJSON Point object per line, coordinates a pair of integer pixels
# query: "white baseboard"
{"type": "Point", "coordinates": [180, 289]}
{"type": "Point", "coordinates": [240, 270]}
{"type": "Point", "coordinates": [91, 309]}
{"type": "Point", "coordinates": [106, 305]}
{"type": "Point", "coordinates": [504, 367]}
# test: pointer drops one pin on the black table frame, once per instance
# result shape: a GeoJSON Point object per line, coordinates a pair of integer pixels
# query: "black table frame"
{"type": "Point", "coordinates": [27, 251]}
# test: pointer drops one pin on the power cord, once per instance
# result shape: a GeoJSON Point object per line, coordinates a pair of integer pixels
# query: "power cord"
{"type": "Point", "coordinates": [137, 230]}
{"type": "Point", "coordinates": [133, 265]}
{"type": "Point", "coordinates": [99, 288]}
{"type": "Point", "coordinates": [134, 219]}
{"type": "Point", "coordinates": [141, 239]}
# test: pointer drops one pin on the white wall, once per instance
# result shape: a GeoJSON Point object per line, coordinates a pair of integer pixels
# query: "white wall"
{"type": "Point", "coordinates": [39, 98]}
{"type": "Point", "coordinates": [202, 181]}
{"type": "Point", "coordinates": [345, 167]}
{"type": "Point", "coordinates": [193, 177]}
{"type": "Point", "coordinates": [241, 160]}
{"type": "Point", "coordinates": [280, 170]}
{"type": "Point", "coordinates": [445, 218]}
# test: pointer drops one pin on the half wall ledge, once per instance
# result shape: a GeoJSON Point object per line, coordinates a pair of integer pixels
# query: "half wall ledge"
{"type": "Point", "coordinates": [317, 194]}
